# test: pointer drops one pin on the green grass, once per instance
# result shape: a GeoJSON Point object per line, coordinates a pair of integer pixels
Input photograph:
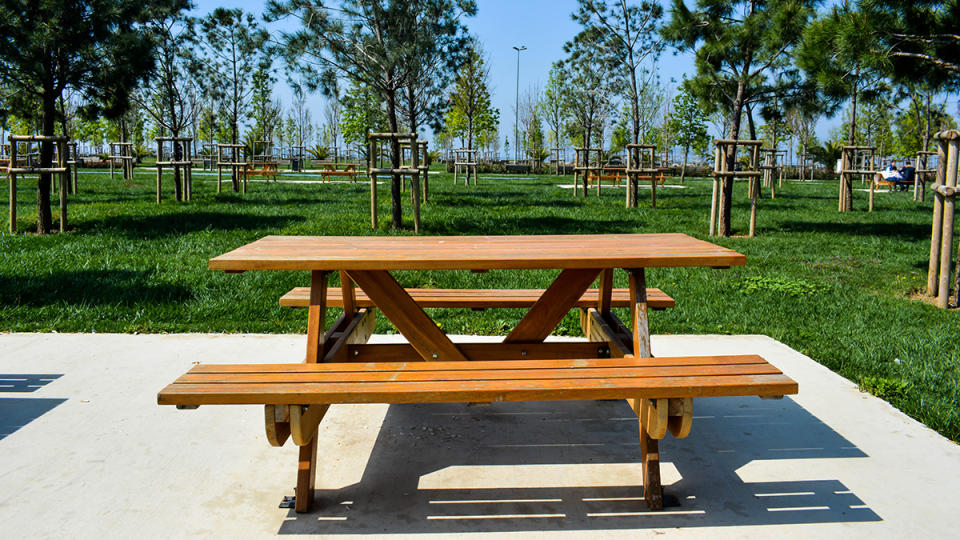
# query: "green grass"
{"type": "Point", "coordinates": [835, 286]}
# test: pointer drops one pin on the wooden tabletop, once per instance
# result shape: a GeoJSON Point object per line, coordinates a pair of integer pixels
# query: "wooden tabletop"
{"type": "Point", "coordinates": [475, 252]}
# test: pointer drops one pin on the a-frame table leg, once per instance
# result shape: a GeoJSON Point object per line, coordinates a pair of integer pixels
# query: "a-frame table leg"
{"type": "Point", "coordinates": [649, 447]}
{"type": "Point", "coordinates": [316, 322]}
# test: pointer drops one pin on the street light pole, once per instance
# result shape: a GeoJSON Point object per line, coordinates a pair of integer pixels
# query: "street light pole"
{"type": "Point", "coordinates": [516, 110]}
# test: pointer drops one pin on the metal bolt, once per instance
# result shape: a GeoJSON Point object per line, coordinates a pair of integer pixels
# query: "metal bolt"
{"type": "Point", "coordinates": [356, 352]}
{"type": "Point", "coordinates": [523, 353]}
{"type": "Point", "coordinates": [435, 356]}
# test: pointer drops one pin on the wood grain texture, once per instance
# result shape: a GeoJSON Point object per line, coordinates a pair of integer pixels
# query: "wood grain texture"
{"type": "Point", "coordinates": [553, 306]}
{"type": "Point", "coordinates": [316, 316]}
{"type": "Point", "coordinates": [510, 380]}
{"type": "Point", "coordinates": [408, 317]}
{"type": "Point", "coordinates": [475, 252]}
{"type": "Point", "coordinates": [478, 298]}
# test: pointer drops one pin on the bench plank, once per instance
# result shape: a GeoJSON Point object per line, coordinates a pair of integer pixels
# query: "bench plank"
{"type": "Point", "coordinates": [525, 380]}
{"type": "Point", "coordinates": [478, 298]}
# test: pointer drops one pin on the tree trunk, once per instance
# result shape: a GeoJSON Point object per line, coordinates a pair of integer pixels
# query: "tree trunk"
{"type": "Point", "coordinates": [683, 169]}
{"type": "Point", "coordinates": [726, 192]}
{"type": "Point", "coordinates": [48, 123]}
{"type": "Point", "coordinates": [846, 181]}
{"type": "Point", "coordinates": [395, 180]}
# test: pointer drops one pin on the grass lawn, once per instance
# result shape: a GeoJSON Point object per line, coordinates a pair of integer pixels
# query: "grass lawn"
{"type": "Point", "coordinates": [837, 287]}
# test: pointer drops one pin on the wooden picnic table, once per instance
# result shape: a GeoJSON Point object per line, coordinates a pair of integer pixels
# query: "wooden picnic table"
{"type": "Point", "coordinates": [615, 363]}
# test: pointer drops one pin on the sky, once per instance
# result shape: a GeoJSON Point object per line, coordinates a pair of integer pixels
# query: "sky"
{"type": "Point", "coordinates": [542, 26]}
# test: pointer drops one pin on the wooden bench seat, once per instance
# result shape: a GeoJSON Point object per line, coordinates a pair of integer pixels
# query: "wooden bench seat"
{"type": "Point", "coordinates": [478, 298]}
{"type": "Point", "coordinates": [498, 380]}
{"type": "Point", "coordinates": [267, 170]}
{"type": "Point", "coordinates": [331, 170]}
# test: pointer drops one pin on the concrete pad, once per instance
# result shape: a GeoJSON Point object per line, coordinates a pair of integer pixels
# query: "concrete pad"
{"type": "Point", "coordinates": [85, 452]}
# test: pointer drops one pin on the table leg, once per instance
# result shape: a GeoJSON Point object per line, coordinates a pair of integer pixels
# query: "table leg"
{"type": "Point", "coordinates": [316, 316]}
{"type": "Point", "coordinates": [316, 321]}
{"type": "Point", "coordinates": [306, 476]}
{"type": "Point", "coordinates": [649, 447]}
{"type": "Point", "coordinates": [553, 306]}
{"type": "Point", "coordinates": [349, 294]}
{"type": "Point", "coordinates": [606, 291]}
{"type": "Point", "coordinates": [409, 318]}
{"type": "Point", "coordinates": [638, 313]}
{"type": "Point", "coordinates": [650, 455]}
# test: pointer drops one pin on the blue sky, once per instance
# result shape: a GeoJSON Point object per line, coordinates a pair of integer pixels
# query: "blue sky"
{"type": "Point", "coordinates": [542, 26]}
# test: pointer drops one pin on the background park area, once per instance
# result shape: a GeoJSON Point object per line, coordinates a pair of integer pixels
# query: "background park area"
{"type": "Point", "coordinates": [841, 288]}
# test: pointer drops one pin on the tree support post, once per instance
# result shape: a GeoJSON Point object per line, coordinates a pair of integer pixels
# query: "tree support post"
{"type": "Point", "coordinates": [941, 238]}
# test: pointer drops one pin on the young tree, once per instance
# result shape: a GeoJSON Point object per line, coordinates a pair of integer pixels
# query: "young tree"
{"type": "Point", "coordinates": [362, 112]}
{"type": "Point", "coordinates": [627, 35]}
{"type": "Point", "coordinates": [590, 90]}
{"type": "Point", "coordinates": [470, 108]}
{"type": "Point", "coordinates": [838, 52]}
{"type": "Point", "coordinates": [740, 47]}
{"type": "Point", "coordinates": [169, 97]}
{"type": "Point", "coordinates": [233, 51]}
{"type": "Point", "coordinates": [373, 42]}
{"type": "Point", "coordinates": [100, 49]}
{"type": "Point", "coordinates": [689, 123]}
{"type": "Point", "coordinates": [265, 112]}
{"type": "Point", "coordinates": [551, 105]}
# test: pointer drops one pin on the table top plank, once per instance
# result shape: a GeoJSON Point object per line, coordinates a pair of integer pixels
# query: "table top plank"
{"type": "Point", "coordinates": [475, 252]}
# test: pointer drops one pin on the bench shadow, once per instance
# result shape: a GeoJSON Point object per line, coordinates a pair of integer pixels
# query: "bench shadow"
{"type": "Point", "coordinates": [155, 226]}
{"type": "Point", "coordinates": [517, 467]}
{"type": "Point", "coordinates": [89, 287]}
{"type": "Point", "coordinates": [18, 412]}
{"type": "Point", "coordinates": [26, 382]}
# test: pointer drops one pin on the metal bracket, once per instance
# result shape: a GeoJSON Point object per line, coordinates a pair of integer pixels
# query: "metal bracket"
{"type": "Point", "coordinates": [288, 501]}
{"type": "Point", "coordinates": [603, 352]}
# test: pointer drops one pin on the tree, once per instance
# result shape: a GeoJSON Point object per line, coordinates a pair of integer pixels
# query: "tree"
{"type": "Point", "coordinates": [741, 46]}
{"type": "Point", "coordinates": [99, 49]}
{"type": "Point", "coordinates": [265, 112]}
{"type": "Point", "coordinates": [362, 112]}
{"type": "Point", "coordinates": [838, 52]}
{"type": "Point", "coordinates": [170, 95]}
{"type": "Point", "coordinates": [470, 109]}
{"type": "Point", "coordinates": [919, 38]}
{"type": "Point", "coordinates": [551, 105]}
{"type": "Point", "coordinates": [590, 90]}
{"type": "Point", "coordinates": [689, 124]}
{"type": "Point", "coordinates": [377, 43]}
{"type": "Point", "coordinates": [234, 47]}
{"type": "Point", "coordinates": [627, 35]}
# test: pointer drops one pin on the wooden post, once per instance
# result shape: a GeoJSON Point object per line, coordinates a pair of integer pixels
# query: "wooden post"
{"type": "Point", "coordinates": [946, 246]}
{"type": "Point", "coordinates": [371, 163]}
{"type": "Point", "coordinates": [13, 187]}
{"type": "Point", "coordinates": [933, 270]}
{"type": "Point", "coordinates": [415, 183]}
{"type": "Point", "coordinates": [717, 157]}
{"type": "Point", "coordinates": [64, 187]}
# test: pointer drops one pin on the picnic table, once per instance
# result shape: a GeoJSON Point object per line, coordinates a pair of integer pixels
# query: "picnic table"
{"type": "Point", "coordinates": [340, 367]}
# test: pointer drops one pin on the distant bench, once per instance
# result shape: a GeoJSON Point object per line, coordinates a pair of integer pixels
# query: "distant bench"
{"type": "Point", "coordinates": [267, 169]}
{"type": "Point", "coordinates": [349, 171]}
{"type": "Point", "coordinates": [478, 298]}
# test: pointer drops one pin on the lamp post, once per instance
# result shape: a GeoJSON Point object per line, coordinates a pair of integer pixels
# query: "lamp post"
{"type": "Point", "coordinates": [516, 110]}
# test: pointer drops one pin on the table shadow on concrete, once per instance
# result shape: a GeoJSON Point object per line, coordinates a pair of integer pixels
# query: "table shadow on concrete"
{"type": "Point", "coordinates": [18, 412]}
{"type": "Point", "coordinates": [399, 491]}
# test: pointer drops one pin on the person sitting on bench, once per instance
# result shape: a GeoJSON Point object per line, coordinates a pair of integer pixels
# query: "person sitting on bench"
{"type": "Point", "coordinates": [889, 173]}
{"type": "Point", "coordinates": [907, 174]}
